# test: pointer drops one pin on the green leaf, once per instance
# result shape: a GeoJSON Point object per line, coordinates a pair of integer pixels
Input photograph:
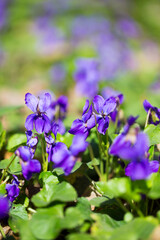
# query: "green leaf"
{"type": "Point", "coordinates": [46, 223]}
{"type": "Point", "coordinates": [98, 201]}
{"type": "Point", "coordinates": [15, 168]}
{"type": "Point", "coordinates": [48, 177]}
{"type": "Point", "coordinates": [104, 226]}
{"type": "Point", "coordinates": [118, 187]}
{"type": "Point", "coordinates": [17, 213]}
{"type": "Point", "coordinates": [91, 164]}
{"type": "Point", "coordinates": [54, 192]}
{"type": "Point", "coordinates": [66, 138]}
{"type": "Point", "coordinates": [135, 230]}
{"type": "Point", "coordinates": [25, 231]}
{"type": "Point", "coordinates": [2, 189]}
{"type": "Point", "coordinates": [73, 218]}
{"type": "Point", "coordinates": [153, 133]}
{"type": "Point", "coordinates": [154, 192]}
{"type": "Point", "coordinates": [15, 141]}
{"type": "Point", "coordinates": [80, 236]}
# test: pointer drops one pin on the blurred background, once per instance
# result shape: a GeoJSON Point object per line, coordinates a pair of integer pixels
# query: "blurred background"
{"type": "Point", "coordinates": [78, 48]}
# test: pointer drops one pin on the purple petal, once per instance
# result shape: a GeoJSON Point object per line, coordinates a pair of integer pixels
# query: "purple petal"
{"type": "Point", "coordinates": [31, 101]}
{"type": "Point", "coordinates": [98, 102]}
{"type": "Point", "coordinates": [55, 128]}
{"type": "Point", "coordinates": [103, 125]}
{"type": "Point", "coordinates": [147, 105]}
{"type": "Point", "coordinates": [121, 98]}
{"type": "Point", "coordinates": [30, 167]}
{"type": "Point", "coordinates": [61, 127]}
{"type": "Point", "coordinates": [29, 122]}
{"type": "Point", "coordinates": [77, 127]}
{"type": "Point", "coordinates": [87, 115]}
{"type": "Point", "coordinates": [63, 159]}
{"type": "Point", "coordinates": [91, 122]}
{"type": "Point", "coordinates": [79, 145]}
{"type": "Point", "coordinates": [142, 144]}
{"type": "Point", "coordinates": [122, 148]}
{"type": "Point", "coordinates": [49, 139]}
{"type": "Point", "coordinates": [62, 101]}
{"type": "Point", "coordinates": [47, 123]}
{"type": "Point", "coordinates": [24, 153]}
{"type": "Point", "coordinates": [138, 170]}
{"type": "Point", "coordinates": [44, 102]}
{"type": "Point", "coordinates": [12, 191]}
{"type": "Point", "coordinates": [109, 105]}
{"type": "Point", "coordinates": [113, 115]}
{"type": "Point", "coordinates": [4, 207]}
{"type": "Point", "coordinates": [154, 166]}
{"type": "Point", "coordinates": [86, 106]}
{"type": "Point", "coordinates": [39, 124]}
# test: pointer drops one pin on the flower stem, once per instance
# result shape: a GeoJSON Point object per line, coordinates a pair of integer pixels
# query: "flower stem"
{"type": "Point", "coordinates": [136, 209]}
{"type": "Point", "coordinates": [147, 119]}
{"type": "Point", "coordinates": [92, 158]}
{"type": "Point", "coordinates": [5, 170]}
{"type": "Point", "coordinates": [107, 156]}
{"type": "Point", "coordinates": [100, 151]}
{"type": "Point", "coordinates": [45, 160]}
{"type": "Point", "coordinates": [121, 205]}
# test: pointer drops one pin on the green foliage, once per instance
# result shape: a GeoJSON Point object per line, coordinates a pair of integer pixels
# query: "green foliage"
{"type": "Point", "coordinates": [15, 141]}
{"type": "Point", "coordinates": [118, 187]}
{"type": "Point", "coordinates": [153, 133]}
{"type": "Point", "coordinates": [46, 223]}
{"type": "Point", "coordinates": [14, 168]}
{"type": "Point", "coordinates": [17, 213]}
{"type": "Point", "coordinates": [53, 191]}
{"type": "Point", "coordinates": [135, 230]}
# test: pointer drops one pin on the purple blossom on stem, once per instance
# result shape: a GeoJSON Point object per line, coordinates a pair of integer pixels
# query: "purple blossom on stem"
{"type": "Point", "coordinates": [57, 112]}
{"type": "Point", "coordinates": [66, 159]}
{"type": "Point", "coordinates": [13, 189]}
{"type": "Point", "coordinates": [39, 118]}
{"type": "Point", "coordinates": [109, 92]}
{"type": "Point", "coordinates": [153, 113]}
{"type": "Point", "coordinates": [134, 149]}
{"type": "Point", "coordinates": [29, 165]}
{"type": "Point", "coordinates": [32, 139]}
{"type": "Point", "coordinates": [4, 207]}
{"type": "Point", "coordinates": [83, 126]}
{"type": "Point", "coordinates": [103, 108]}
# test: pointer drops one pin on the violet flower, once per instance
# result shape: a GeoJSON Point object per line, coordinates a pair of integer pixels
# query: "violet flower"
{"type": "Point", "coordinates": [153, 112]}
{"type": "Point", "coordinates": [4, 207]}
{"type": "Point", "coordinates": [84, 125]}
{"type": "Point", "coordinates": [104, 108]}
{"type": "Point", "coordinates": [39, 118]}
{"type": "Point", "coordinates": [108, 92]}
{"type": "Point", "coordinates": [29, 165]}
{"type": "Point", "coordinates": [65, 158]}
{"type": "Point", "coordinates": [57, 112]}
{"type": "Point", "coordinates": [134, 149]}
{"type": "Point", "coordinates": [87, 77]}
{"type": "Point", "coordinates": [13, 189]}
{"type": "Point", "coordinates": [32, 140]}
{"type": "Point", "coordinates": [121, 141]}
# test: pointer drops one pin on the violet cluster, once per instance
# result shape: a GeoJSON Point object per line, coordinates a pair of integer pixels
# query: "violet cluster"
{"type": "Point", "coordinates": [133, 145]}
{"type": "Point", "coordinates": [153, 113]}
